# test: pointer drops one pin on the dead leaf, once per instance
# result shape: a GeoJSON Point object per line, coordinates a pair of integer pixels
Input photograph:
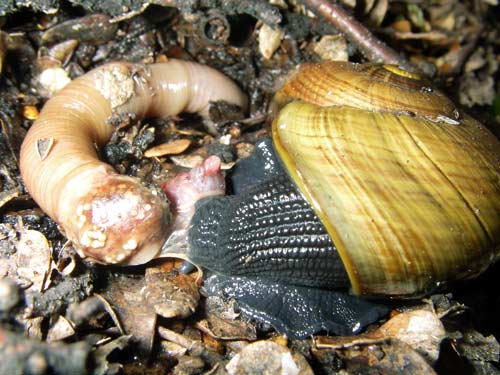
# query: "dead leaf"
{"type": "Point", "coordinates": [171, 148]}
{"type": "Point", "coordinates": [176, 338]}
{"type": "Point", "coordinates": [100, 355]}
{"type": "Point", "coordinates": [225, 329]}
{"type": "Point", "coordinates": [170, 294]}
{"type": "Point", "coordinates": [109, 309]}
{"type": "Point", "coordinates": [390, 357]}
{"type": "Point", "coordinates": [66, 265]}
{"type": "Point", "coordinates": [34, 258]}
{"type": "Point", "coordinates": [33, 327]}
{"type": "Point", "coordinates": [135, 314]}
{"type": "Point", "coordinates": [6, 196]}
{"type": "Point", "coordinates": [188, 364]}
{"type": "Point", "coordinates": [187, 161]}
{"type": "Point", "coordinates": [60, 329]}
{"type": "Point", "coordinates": [421, 329]}
{"type": "Point", "coordinates": [172, 349]}
{"type": "Point", "coordinates": [138, 300]}
{"type": "Point", "coordinates": [221, 321]}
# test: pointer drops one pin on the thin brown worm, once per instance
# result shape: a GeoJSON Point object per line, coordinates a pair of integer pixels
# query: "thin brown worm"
{"type": "Point", "coordinates": [111, 218]}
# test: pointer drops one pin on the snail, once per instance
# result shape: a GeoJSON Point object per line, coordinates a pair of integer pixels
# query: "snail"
{"type": "Point", "coordinates": [112, 218]}
{"type": "Point", "coordinates": [393, 192]}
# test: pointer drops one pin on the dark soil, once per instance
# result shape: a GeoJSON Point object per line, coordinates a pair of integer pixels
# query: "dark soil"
{"type": "Point", "coordinates": [60, 314]}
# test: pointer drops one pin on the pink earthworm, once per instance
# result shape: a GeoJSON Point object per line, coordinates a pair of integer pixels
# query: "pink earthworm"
{"type": "Point", "coordinates": [111, 218]}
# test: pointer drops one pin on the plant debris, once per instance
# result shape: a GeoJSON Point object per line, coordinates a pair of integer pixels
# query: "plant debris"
{"type": "Point", "coordinates": [59, 314]}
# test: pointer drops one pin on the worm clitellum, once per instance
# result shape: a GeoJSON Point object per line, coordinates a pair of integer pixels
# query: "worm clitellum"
{"type": "Point", "coordinates": [111, 218]}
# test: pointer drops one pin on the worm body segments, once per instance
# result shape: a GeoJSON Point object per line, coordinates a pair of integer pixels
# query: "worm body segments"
{"type": "Point", "coordinates": [111, 218]}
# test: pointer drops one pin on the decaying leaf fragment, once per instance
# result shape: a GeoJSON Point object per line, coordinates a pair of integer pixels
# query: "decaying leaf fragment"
{"type": "Point", "coordinates": [481, 352]}
{"type": "Point", "coordinates": [390, 357]}
{"type": "Point", "coordinates": [60, 329]}
{"type": "Point", "coordinates": [170, 148]}
{"type": "Point", "coordinates": [6, 196]}
{"type": "Point", "coordinates": [34, 258]}
{"type": "Point", "coordinates": [136, 315]}
{"type": "Point", "coordinates": [220, 321]}
{"type": "Point", "coordinates": [172, 294]}
{"type": "Point", "coordinates": [138, 300]}
{"type": "Point", "coordinates": [420, 329]}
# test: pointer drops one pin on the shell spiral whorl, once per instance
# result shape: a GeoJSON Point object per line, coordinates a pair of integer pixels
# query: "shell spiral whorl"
{"type": "Point", "coordinates": [408, 191]}
{"type": "Point", "coordinates": [370, 87]}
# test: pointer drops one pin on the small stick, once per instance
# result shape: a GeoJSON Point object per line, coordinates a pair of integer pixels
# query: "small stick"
{"type": "Point", "coordinates": [464, 52]}
{"type": "Point", "coordinates": [371, 47]}
{"type": "Point", "coordinates": [176, 338]}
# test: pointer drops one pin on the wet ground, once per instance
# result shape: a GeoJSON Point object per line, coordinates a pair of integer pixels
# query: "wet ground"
{"type": "Point", "coordinates": [61, 314]}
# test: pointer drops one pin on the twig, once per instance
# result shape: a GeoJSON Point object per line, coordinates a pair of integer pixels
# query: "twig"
{"type": "Point", "coordinates": [176, 338]}
{"type": "Point", "coordinates": [464, 53]}
{"type": "Point", "coordinates": [369, 45]}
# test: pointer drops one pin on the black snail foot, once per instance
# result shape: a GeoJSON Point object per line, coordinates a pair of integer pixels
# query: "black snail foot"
{"type": "Point", "coordinates": [267, 249]}
{"type": "Point", "coordinates": [296, 311]}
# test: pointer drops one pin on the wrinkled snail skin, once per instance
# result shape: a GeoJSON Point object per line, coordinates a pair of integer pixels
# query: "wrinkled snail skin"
{"type": "Point", "coordinates": [266, 248]}
{"type": "Point", "coordinates": [111, 218]}
{"type": "Point", "coordinates": [266, 230]}
{"type": "Point", "coordinates": [406, 186]}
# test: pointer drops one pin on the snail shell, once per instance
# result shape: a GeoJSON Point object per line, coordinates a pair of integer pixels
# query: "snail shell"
{"type": "Point", "coordinates": [407, 186]}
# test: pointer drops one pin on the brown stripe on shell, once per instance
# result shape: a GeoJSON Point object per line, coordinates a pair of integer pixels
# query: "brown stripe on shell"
{"type": "Point", "coordinates": [391, 192]}
{"type": "Point", "coordinates": [372, 86]}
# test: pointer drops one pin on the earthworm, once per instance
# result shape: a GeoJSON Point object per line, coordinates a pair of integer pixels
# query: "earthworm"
{"type": "Point", "coordinates": [111, 218]}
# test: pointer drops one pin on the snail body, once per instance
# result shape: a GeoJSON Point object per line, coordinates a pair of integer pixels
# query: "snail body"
{"type": "Point", "coordinates": [407, 189]}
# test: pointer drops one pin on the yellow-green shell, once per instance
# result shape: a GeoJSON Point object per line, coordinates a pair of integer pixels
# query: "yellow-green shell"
{"type": "Point", "coordinates": [411, 199]}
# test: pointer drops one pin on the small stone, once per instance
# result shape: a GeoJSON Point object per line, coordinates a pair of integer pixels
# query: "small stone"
{"type": "Point", "coordinates": [37, 364]}
{"type": "Point", "coordinates": [9, 294]}
{"type": "Point", "coordinates": [269, 40]}
{"type": "Point", "coordinates": [52, 80]}
{"type": "Point", "coordinates": [267, 357]}
{"type": "Point", "coordinates": [420, 329]}
{"type": "Point", "coordinates": [332, 48]}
